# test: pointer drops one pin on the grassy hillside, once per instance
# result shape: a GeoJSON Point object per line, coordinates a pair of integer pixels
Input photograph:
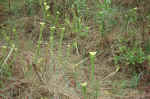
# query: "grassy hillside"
{"type": "Point", "coordinates": [74, 49]}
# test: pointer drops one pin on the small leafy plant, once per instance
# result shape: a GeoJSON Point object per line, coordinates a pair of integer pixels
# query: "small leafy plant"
{"type": "Point", "coordinates": [132, 57]}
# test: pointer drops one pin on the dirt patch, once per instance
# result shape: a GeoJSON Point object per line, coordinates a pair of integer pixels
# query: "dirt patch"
{"type": "Point", "coordinates": [3, 14]}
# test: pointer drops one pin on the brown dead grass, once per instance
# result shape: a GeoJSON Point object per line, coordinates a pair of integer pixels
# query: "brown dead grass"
{"type": "Point", "coordinates": [57, 79]}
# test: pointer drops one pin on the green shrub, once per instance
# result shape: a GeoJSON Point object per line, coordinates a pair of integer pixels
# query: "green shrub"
{"type": "Point", "coordinates": [132, 57]}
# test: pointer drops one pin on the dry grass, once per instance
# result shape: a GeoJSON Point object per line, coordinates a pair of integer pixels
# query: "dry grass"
{"type": "Point", "coordinates": [54, 76]}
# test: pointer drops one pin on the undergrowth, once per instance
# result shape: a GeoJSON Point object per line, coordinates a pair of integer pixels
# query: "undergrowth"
{"type": "Point", "coordinates": [62, 29]}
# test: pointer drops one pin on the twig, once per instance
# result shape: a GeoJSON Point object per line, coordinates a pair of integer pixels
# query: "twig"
{"type": "Point", "coordinates": [85, 59]}
{"type": "Point", "coordinates": [6, 59]}
{"type": "Point", "coordinates": [9, 54]}
{"type": "Point", "coordinates": [37, 73]}
{"type": "Point", "coordinates": [111, 74]}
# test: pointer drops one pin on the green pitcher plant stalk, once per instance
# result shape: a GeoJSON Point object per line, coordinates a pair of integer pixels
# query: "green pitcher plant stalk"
{"type": "Point", "coordinates": [51, 38]}
{"type": "Point", "coordinates": [42, 24]}
{"type": "Point", "coordinates": [92, 58]}
{"type": "Point", "coordinates": [61, 40]}
{"type": "Point", "coordinates": [84, 89]}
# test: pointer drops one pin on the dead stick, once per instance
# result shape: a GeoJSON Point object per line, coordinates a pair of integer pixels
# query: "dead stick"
{"type": "Point", "coordinates": [37, 73]}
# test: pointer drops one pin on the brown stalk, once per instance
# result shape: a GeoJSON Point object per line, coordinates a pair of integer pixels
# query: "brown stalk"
{"type": "Point", "coordinates": [37, 73]}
